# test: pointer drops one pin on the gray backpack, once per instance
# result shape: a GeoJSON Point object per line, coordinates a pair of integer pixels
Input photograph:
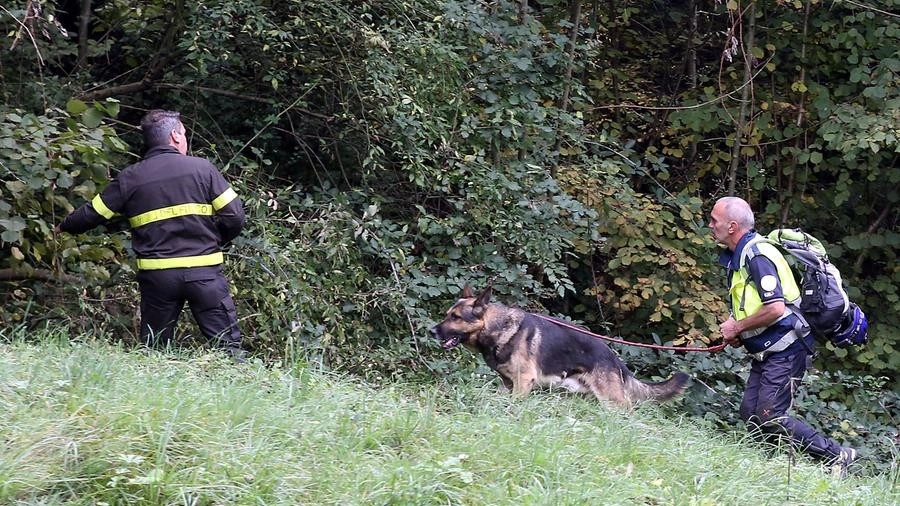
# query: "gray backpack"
{"type": "Point", "coordinates": [824, 303]}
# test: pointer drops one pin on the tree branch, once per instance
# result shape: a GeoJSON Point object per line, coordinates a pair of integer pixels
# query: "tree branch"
{"type": "Point", "coordinates": [214, 91]}
{"type": "Point", "coordinates": [124, 89]}
{"type": "Point", "coordinates": [872, 228]}
{"type": "Point", "coordinates": [11, 274]}
{"type": "Point", "coordinates": [157, 67]}
{"type": "Point", "coordinates": [32, 11]}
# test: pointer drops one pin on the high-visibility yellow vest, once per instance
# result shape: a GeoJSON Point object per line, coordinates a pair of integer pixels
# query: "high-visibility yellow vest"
{"type": "Point", "coordinates": [745, 298]}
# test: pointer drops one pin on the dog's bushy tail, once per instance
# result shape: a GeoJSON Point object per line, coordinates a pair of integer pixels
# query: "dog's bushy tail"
{"type": "Point", "coordinates": [663, 391]}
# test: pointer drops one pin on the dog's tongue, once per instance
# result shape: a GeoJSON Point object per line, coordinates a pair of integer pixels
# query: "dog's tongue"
{"type": "Point", "coordinates": [450, 343]}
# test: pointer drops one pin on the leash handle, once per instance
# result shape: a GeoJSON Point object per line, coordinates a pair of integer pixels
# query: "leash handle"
{"type": "Point", "coordinates": [709, 349]}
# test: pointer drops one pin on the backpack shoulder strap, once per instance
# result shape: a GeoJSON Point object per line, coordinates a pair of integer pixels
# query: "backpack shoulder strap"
{"type": "Point", "coordinates": [751, 249]}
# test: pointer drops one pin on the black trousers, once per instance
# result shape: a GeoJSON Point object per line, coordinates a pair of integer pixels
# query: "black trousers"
{"type": "Point", "coordinates": [769, 395]}
{"type": "Point", "coordinates": [205, 289]}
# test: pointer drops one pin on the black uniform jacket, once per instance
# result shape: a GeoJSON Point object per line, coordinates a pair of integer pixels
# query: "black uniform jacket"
{"type": "Point", "coordinates": [180, 208]}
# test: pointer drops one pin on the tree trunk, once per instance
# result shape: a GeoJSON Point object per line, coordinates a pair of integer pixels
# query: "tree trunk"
{"type": "Point", "coordinates": [692, 46]}
{"type": "Point", "coordinates": [594, 23]}
{"type": "Point", "coordinates": [523, 142]}
{"type": "Point", "coordinates": [563, 105]}
{"type": "Point", "coordinates": [801, 142]}
{"type": "Point", "coordinates": [615, 42]}
{"type": "Point", "coordinates": [692, 66]}
{"type": "Point", "coordinates": [741, 121]}
{"type": "Point", "coordinates": [83, 27]}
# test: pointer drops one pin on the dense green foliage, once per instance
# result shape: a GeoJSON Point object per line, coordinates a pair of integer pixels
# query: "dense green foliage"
{"type": "Point", "coordinates": [89, 423]}
{"type": "Point", "coordinates": [390, 151]}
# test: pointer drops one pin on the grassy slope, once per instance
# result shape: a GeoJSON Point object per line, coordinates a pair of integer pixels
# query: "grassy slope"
{"type": "Point", "coordinates": [92, 424]}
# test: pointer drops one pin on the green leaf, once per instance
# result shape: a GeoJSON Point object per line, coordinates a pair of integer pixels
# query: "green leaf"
{"type": "Point", "coordinates": [16, 187]}
{"type": "Point", "coordinates": [111, 107]}
{"type": "Point", "coordinates": [64, 180]}
{"type": "Point", "coordinates": [14, 224]}
{"type": "Point", "coordinates": [75, 107]}
{"type": "Point", "coordinates": [92, 118]}
{"type": "Point", "coordinates": [10, 236]}
{"type": "Point", "coordinates": [877, 92]}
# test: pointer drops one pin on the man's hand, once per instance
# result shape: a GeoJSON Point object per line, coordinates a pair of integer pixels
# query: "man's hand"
{"type": "Point", "coordinates": [56, 229]}
{"type": "Point", "coordinates": [730, 332]}
{"type": "Point", "coordinates": [767, 315]}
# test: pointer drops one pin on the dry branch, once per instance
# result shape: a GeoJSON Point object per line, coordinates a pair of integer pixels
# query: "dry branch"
{"type": "Point", "coordinates": [13, 274]}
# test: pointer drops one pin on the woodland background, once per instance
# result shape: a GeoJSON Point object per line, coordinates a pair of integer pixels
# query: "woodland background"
{"type": "Point", "coordinates": [390, 151]}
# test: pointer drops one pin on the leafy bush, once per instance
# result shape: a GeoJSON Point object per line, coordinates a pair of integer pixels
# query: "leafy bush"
{"type": "Point", "coordinates": [53, 163]}
{"type": "Point", "coordinates": [307, 274]}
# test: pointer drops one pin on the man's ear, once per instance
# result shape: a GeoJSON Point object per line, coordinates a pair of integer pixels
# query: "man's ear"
{"type": "Point", "coordinates": [178, 139]}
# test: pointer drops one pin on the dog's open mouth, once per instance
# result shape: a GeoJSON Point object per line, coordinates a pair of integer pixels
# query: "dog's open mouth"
{"type": "Point", "coordinates": [450, 342]}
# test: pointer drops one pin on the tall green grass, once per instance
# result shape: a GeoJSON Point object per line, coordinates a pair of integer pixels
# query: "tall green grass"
{"type": "Point", "coordinates": [92, 424]}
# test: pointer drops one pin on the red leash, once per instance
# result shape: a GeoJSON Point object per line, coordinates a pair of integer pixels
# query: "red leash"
{"type": "Point", "coordinates": [709, 349]}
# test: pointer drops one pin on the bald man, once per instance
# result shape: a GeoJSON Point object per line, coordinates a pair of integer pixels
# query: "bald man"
{"type": "Point", "coordinates": [762, 293]}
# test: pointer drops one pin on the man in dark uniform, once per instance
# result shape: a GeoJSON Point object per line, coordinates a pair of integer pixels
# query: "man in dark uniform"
{"type": "Point", "coordinates": [762, 292]}
{"type": "Point", "coordinates": [181, 211]}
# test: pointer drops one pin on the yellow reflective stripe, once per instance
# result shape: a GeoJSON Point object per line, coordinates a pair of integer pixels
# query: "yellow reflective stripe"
{"type": "Point", "coordinates": [224, 199]}
{"type": "Point", "coordinates": [101, 208]}
{"type": "Point", "coordinates": [149, 264]}
{"type": "Point", "coordinates": [170, 212]}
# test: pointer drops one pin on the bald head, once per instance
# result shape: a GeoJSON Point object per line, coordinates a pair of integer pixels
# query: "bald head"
{"type": "Point", "coordinates": [730, 219]}
{"type": "Point", "coordinates": [738, 210]}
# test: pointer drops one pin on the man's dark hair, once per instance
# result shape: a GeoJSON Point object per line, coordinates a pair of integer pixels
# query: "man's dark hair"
{"type": "Point", "coordinates": [156, 126]}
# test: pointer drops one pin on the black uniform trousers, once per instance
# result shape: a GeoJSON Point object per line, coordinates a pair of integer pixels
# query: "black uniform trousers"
{"type": "Point", "coordinates": [770, 394]}
{"type": "Point", "coordinates": [205, 289]}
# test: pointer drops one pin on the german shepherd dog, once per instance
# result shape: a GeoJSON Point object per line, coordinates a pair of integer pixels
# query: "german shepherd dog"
{"type": "Point", "coordinates": [529, 351]}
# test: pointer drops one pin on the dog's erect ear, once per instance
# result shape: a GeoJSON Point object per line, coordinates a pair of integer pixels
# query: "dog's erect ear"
{"type": "Point", "coordinates": [467, 292]}
{"type": "Point", "coordinates": [484, 298]}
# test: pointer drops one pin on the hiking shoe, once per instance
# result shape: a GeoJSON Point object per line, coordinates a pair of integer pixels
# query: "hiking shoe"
{"type": "Point", "coordinates": [238, 355]}
{"type": "Point", "coordinates": [844, 459]}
